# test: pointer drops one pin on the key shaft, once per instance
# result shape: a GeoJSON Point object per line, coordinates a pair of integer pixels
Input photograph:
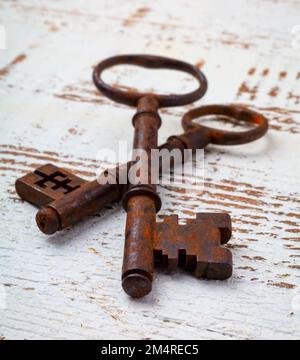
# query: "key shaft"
{"type": "Point", "coordinates": [141, 203]}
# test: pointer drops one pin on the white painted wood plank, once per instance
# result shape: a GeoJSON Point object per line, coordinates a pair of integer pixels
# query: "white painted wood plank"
{"type": "Point", "coordinates": [68, 285]}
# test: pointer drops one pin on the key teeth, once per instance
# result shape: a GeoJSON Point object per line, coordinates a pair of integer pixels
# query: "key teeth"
{"type": "Point", "coordinates": [222, 221]}
{"type": "Point", "coordinates": [47, 169]}
{"type": "Point", "coordinates": [198, 244]}
{"type": "Point", "coordinates": [45, 166]}
{"type": "Point", "coordinates": [214, 271]}
{"type": "Point", "coordinates": [190, 221]}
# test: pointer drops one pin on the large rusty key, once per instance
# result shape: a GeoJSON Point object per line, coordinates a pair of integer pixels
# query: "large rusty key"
{"type": "Point", "coordinates": [195, 246]}
{"type": "Point", "coordinates": [141, 200]}
{"type": "Point", "coordinates": [65, 198]}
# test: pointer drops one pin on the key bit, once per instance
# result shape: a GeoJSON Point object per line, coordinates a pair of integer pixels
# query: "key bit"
{"type": "Point", "coordinates": [46, 184]}
{"type": "Point", "coordinates": [195, 246]}
{"type": "Point", "coordinates": [63, 197]}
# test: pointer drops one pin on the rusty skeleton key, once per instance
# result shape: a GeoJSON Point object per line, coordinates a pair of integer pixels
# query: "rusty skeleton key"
{"type": "Point", "coordinates": [196, 245]}
{"type": "Point", "coordinates": [65, 198]}
{"type": "Point", "coordinates": [141, 200]}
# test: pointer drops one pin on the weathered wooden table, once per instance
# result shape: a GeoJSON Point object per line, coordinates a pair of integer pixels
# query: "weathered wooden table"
{"type": "Point", "coordinates": [68, 285]}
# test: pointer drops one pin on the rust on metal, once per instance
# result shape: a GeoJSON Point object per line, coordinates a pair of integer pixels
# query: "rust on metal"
{"type": "Point", "coordinates": [223, 137]}
{"type": "Point", "coordinates": [152, 62]}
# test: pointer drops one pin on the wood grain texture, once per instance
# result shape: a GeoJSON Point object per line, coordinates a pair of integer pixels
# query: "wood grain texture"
{"type": "Point", "coordinates": [68, 285]}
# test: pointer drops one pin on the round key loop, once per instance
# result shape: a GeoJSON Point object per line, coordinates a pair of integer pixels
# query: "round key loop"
{"type": "Point", "coordinates": [224, 137]}
{"type": "Point", "coordinates": [152, 62]}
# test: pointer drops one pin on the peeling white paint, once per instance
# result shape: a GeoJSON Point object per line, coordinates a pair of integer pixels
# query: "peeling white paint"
{"type": "Point", "coordinates": [68, 285]}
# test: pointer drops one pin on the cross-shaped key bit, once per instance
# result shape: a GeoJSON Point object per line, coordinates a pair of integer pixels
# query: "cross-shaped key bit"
{"type": "Point", "coordinates": [63, 197]}
{"type": "Point", "coordinates": [195, 246]}
{"type": "Point", "coordinates": [46, 184]}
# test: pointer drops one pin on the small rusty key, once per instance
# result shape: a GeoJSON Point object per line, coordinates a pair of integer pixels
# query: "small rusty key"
{"type": "Point", "coordinates": [65, 198]}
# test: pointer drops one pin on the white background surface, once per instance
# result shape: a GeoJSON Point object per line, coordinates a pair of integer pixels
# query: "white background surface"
{"type": "Point", "coordinates": [68, 285]}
